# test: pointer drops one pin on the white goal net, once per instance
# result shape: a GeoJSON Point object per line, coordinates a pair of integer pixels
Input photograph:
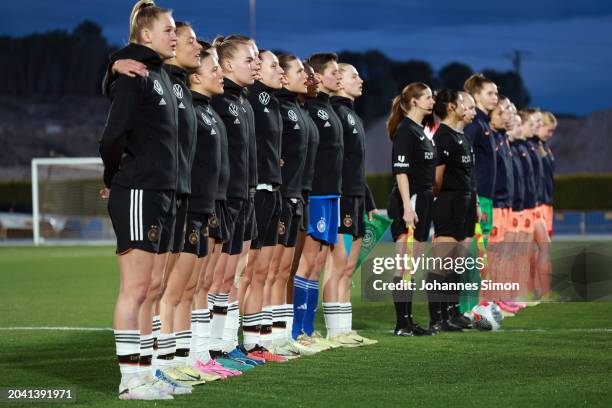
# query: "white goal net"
{"type": "Point", "coordinates": [66, 204]}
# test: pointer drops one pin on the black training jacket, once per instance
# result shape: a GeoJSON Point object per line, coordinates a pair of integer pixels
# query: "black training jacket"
{"type": "Point", "coordinates": [268, 130]}
{"type": "Point", "coordinates": [187, 127]}
{"type": "Point", "coordinates": [328, 164]}
{"type": "Point", "coordinates": [139, 144]}
{"type": "Point", "coordinates": [311, 153]}
{"type": "Point", "coordinates": [210, 171]}
{"type": "Point", "coordinates": [186, 116]}
{"type": "Point", "coordinates": [294, 143]}
{"type": "Point", "coordinates": [248, 110]}
{"type": "Point", "coordinates": [353, 166]}
{"type": "Point", "coordinates": [230, 107]}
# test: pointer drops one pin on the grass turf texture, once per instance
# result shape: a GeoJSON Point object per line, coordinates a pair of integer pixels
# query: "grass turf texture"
{"type": "Point", "coordinates": [561, 359]}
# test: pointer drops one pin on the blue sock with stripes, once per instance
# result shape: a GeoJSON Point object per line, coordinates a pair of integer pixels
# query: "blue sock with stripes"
{"type": "Point", "coordinates": [312, 303]}
{"type": "Point", "coordinates": [300, 296]}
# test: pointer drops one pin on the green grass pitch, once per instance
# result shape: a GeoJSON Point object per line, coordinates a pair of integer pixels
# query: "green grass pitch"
{"type": "Point", "coordinates": [550, 355]}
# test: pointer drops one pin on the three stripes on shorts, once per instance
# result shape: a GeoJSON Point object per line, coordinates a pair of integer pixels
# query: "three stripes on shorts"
{"type": "Point", "coordinates": [136, 215]}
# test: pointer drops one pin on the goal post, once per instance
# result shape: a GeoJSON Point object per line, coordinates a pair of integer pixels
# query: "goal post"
{"type": "Point", "coordinates": [66, 205]}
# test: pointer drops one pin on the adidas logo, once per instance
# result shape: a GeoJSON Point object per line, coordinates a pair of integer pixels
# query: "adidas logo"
{"type": "Point", "coordinates": [327, 124]}
{"type": "Point", "coordinates": [266, 110]}
{"type": "Point", "coordinates": [355, 131]}
{"type": "Point", "coordinates": [236, 122]}
{"type": "Point", "coordinates": [303, 306]}
{"type": "Point", "coordinates": [162, 102]}
{"type": "Point", "coordinates": [296, 126]}
{"type": "Point", "coordinates": [181, 106]}
{"type": "Point", "coordinates": [212, 132]}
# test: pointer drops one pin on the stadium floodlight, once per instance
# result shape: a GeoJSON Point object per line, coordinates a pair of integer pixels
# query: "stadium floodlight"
{"type": "Point", "coordinates": [66, 205]}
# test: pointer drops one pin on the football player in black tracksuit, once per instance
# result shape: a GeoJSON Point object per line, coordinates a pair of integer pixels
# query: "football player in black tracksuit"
{"type": "Point", "coordinates": [139, 148]}
{"type": "Point", "coordinates": [293, 154]}
{"type": "Point", "coordinates": [237, 262]}
{"type": "Point", "coordinates": [236, 58]}
{"type": "Point", "coordinates": [187, 57]}
{"type": "Point", "coordinates": [326, 190]}
{"type": "Point", "coordinates": [355, 202]}
{"type": "Point", "coordinates": [312, 84]}
{"type": "Point", "coordinates": [312, 90]}
{"type": "Point", "coordinates": [453, 189]}
{"type": "Point", "coordinates": [411, 200]}
{"type": "Point", "coordinates": [268, 130]}
{"type": "Point", "coordinates": [210, 177]}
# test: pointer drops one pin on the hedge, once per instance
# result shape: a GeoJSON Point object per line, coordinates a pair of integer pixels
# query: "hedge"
{"type": "Point", "coordinates": [581, 192]}
{"type": "Point", "coordinates": [572, 192]}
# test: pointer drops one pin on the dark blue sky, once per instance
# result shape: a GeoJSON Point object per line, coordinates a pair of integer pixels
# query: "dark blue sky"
{"type": "Point", "coordinates": [568, 44]}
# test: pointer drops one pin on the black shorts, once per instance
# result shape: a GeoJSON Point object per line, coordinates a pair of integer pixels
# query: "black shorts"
{"type": "Point", "coordinates": [352, 211]}
{"type": "Point", "coordinates": [422, 205]}
{"type": "Point", "coordinates": [472, 216]}
{"type": "Point", "coordinates": [267, 213]}
{"type": "Point", "coordinates": [179, 224]}
{"type": "Point", "coordinates": [196, 234]}
{"type": "Point", "coordinates": [250, 225]}
{"type": "Point", "coordinates": [305, 212]}
{"type": "Point", "coordinates": [237, 209]}
{"type": "Point", "coordinates": [290, 221]}
{"type": "Point", "coordinates": [139, 216]}
{"type": "Point", "coordinates": [220, 222]}
{"type": "Point", "coordinates": [450, 211]}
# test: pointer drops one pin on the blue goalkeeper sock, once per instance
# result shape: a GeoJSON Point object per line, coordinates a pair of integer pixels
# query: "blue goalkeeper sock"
{"type": "Point", "coordinates": [300, 296]}
{"type": "Point", "coordinates": [311, 310]}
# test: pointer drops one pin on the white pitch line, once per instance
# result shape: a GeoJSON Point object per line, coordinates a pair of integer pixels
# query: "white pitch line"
{"type": "Point", "coordinates": [595, 330]}
{"type": "Point", "coordinates": [586, 330]}
{"type": "Point", "coordinates": [59, 328]}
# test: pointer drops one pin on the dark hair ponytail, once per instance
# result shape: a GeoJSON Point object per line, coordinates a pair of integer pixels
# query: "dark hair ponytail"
{"type": "Point", "coordinates": [444, 99]}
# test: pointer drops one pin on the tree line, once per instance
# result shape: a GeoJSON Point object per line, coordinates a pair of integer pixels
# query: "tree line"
{"type": "Point", "coordinates": [73, 63]}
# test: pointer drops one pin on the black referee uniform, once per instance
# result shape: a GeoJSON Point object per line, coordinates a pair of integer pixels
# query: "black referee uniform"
{"type": "Point", "coordinates": [452, 205]}
{"type": "Point", "coordinates": [415, 155]}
